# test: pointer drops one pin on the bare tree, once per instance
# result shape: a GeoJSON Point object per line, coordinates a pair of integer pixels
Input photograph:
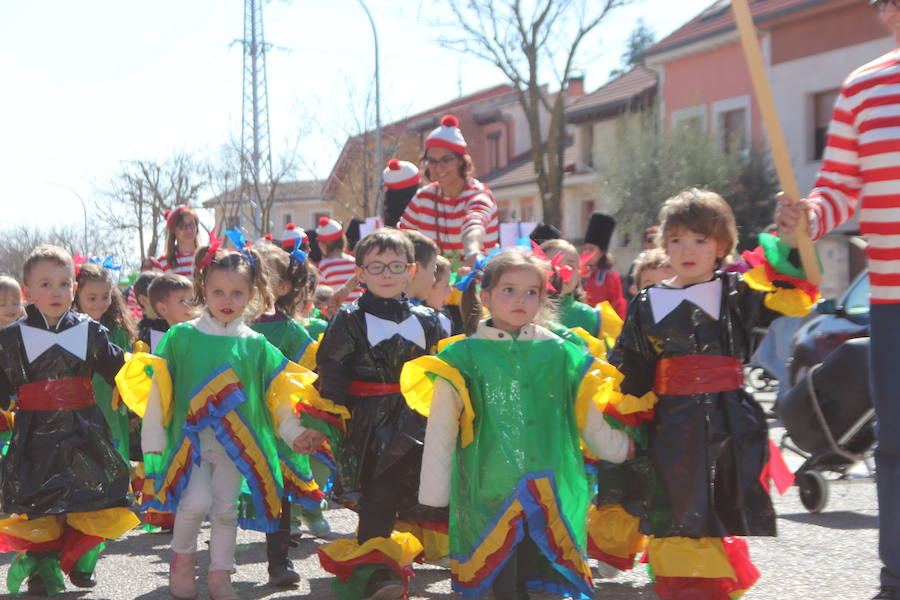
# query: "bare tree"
{"type": "Point", "coordinates": [136, 199]}
{"type": "Point", "coordinates": [353, 130]}
{"type": "Point", "coordinates": [223, 174]}
{"type": "Point", "coordinates": [525, 40]}
{"type": "Point", "coordinates": [18, 240]}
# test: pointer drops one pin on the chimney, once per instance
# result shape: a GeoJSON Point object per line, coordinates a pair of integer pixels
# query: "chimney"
{"type": "Point", "coordinates": [575, 84]}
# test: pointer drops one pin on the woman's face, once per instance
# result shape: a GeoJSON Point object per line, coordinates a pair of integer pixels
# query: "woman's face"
{"type": "Point", "coordinates": [890, 16]}
{"type": "Point", "coordinates": [185, 228]}
{"type": "Point", "coordinates": [443, 166]}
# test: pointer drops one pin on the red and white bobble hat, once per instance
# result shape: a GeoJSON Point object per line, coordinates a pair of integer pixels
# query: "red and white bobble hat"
{"type": "Point", "coordinates": [401, 174]}
{"type": "Point", "coordinates": [447, 135]}
{"type": "Point", "coordinates": [291, 234]}
{"type": "Point", "coordinates": [171, 214]}
{"type": "Point", "coordinates": [329, 230]}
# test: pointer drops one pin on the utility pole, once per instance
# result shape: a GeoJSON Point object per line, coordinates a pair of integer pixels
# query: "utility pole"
{"type": "Point", "coordinates": [379, 161]}
{"type": "Point", "coordinates": [256, 145]}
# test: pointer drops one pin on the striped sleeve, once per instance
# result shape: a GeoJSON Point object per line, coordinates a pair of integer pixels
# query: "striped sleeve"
{"type": "Point", "coordinates": [839, 182]}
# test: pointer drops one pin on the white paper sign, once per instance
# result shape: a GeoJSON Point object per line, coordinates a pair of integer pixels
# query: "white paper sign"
{"type": "Point", "coordinates": [371, 224]}
{"type": "Point", "coordinates": [510, 233]}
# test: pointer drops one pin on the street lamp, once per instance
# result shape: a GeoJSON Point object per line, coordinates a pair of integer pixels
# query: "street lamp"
{"type": "Point", "coordinates": [378, 159]}
{"type": "Point", "coordinates": [83, 208]}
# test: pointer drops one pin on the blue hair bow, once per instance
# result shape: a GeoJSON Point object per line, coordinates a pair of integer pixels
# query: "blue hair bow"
{"type": "Point", "coordinates": [298, 254]}
{"type": "Point", "coordinates": [112, 263]}
{"type": "Point", "coordinates": [240, 242]}
{"type": "Point", "coordinates": [477, 269]}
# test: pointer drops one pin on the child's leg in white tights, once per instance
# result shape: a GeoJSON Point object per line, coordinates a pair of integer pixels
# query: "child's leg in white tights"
{"type": "Point", "coordinates": [212, 490]}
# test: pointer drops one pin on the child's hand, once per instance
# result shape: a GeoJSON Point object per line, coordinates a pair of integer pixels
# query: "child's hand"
{"type": "Point", "coordinates": [308, 441]}
{"type": "Point", "coordinates": [632, 449]}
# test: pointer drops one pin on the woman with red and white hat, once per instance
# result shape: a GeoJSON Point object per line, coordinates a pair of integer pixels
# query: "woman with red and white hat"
{"type": "Point", "coordinates": [182, 226]}
{"type": "Point", "coordinates": [455, 210]}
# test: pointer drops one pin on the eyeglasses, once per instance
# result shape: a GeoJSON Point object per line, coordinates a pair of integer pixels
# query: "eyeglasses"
{"type": "Point", "coordinates": [445, 160]}
{"type": "Point", "coordinates": [883, 4]}
{"type": "Point", "coordinates": [377, 268]}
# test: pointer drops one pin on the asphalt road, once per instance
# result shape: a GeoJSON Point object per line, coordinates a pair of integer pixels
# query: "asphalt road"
{"type": "Point", "coordinates": [831, 555]}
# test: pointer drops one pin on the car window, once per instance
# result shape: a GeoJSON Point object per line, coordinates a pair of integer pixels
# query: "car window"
{"type": "Point", "coordinates": [857, 299]}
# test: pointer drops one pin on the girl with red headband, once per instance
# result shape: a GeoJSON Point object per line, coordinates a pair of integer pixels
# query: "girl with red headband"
{"type": "Point", "coordinates": [181, 241]}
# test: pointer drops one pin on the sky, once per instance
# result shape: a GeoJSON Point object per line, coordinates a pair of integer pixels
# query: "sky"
{"type": "Point", "coordinates": [88, 85]}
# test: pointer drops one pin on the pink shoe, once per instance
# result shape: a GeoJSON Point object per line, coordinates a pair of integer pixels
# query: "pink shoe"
{"type": "Point", "coordinates": [182, 583]}
{"type": "Point", "coordinates": [219, 583]}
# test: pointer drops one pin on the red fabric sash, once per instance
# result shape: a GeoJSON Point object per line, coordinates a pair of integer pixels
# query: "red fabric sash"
{"type": "Point", "coordinates": [371, 388]}
{"type": "Point", "coordinates": [698, 374]}
{"type": "Point", "coordinates": [68, 393]}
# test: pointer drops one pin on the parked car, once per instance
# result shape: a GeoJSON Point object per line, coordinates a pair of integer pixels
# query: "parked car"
{"type": "Point", "coordinates": [838, 320]}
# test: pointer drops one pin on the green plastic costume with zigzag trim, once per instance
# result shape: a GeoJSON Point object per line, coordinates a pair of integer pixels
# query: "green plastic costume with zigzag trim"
{"type": "Point", "coordinates": [523, 465]}
{"type": "Point", "coordinates": [293, 341]}
{"type": "Point", "coordinates": [221, 382]}
{"type": "Point", "coordinates": [116, 418]}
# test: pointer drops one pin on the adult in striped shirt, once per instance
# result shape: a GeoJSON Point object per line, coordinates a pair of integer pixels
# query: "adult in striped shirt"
{"type": "Point", "coordinates": [455, 210]}
{"type": "Point", "coordinates": [181, 242]}
{"type": "Point", "coordinates": [336, 267]}
{"type": "Point", "coordinates": [861, 170]}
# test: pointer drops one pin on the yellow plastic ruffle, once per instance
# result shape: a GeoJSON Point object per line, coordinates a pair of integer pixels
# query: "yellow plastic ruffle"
{"type": "Point", "coordinates": [449, 340]}
{"type": "Point", "coordinates": [792, 302]}
{"type": "Point", "coordinates": [610, 323]}
{"type": "Point", "coordinates": [109, 523]}
{"type": "Point", "coordinates": [599, 386]}
{"type": "Point", "coordinates": [134, 382]}
{"type": "Point", "coordinates": [628, 404]}
{"type": "Point", "coordinates": [615, 531]}
{"type": "Point", "coordinates": [689, 557]}
{"type": "Point", "coordinates": [596, 347]}
{"type": "Point", "coordinates": [308, 360]}
{"type": "Point", "coordinates": [294, 382]}
{"type": "Point", "coordinates": [37, 531]}
{"type": "Point", "coordinates": [312, 398]}
{"type": "Point", "coordinates": [418, 389]}
{"type": "Point", "coordinates": [436, 544]}
{"type": "Point", "coordinates": [402, 548]}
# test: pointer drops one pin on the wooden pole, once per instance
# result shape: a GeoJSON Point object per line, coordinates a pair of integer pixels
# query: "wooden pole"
{"type": "Point", "coordinates": [780, 157]}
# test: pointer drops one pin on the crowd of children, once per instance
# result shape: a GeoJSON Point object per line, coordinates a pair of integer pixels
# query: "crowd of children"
{"type": "Point", "coordinates": [511, 448]}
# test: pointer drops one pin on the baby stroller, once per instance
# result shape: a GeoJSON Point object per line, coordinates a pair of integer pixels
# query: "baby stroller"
{"type": "Point", "coordinates": [829, 420]}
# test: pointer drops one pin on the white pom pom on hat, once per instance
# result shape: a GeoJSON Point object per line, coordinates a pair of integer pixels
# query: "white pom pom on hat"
{"type": "Point", "coordinates": [329, 230]}
{"type": "Point", "coordinates": [447, 135]}
{"type": "Point", "coordinates": [291, 234]}
{"type": "Point", "coordinates": [401, 174]}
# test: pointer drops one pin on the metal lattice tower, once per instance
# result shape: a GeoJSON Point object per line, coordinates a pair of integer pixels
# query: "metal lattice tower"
{"type": "Point", "coordinates": [256, 144]}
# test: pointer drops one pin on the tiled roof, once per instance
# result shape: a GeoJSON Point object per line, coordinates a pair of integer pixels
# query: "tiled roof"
{"type": "Point", "coordinates": [614, 95]}
{"type": "Point", "coordinates": [521, 171]}
{"type": "Point", "coordinates": [718, 18]}
{"type": "Point", "coordinates": [288, 191]}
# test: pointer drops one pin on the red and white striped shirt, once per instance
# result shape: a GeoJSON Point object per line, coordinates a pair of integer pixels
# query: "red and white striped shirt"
{"type": "Point", "coordinates": [337, 271]}
{"type": "Point", "coordinates": [185, 262]}
{"type": "Point", "coordinates": [446, 220]}
{"type": "Point", "coordinates": [862, 166]}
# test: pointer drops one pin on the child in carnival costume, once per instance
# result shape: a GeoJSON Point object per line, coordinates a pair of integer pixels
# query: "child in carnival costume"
{"type": "Point", "coordinates": [599, 326]}
{"type": "Point", "coordinates": [213, 402]}
{"type": "Point", "coordinates": [98, 298]}
{"type": "Point", "coordinates": [506, 409]}
{"type": "Point", "coordinates": [63, 481]}
{"type": "Point", "coordinates": [379, 454]}
{"type": "Point", "coordinates": [290, 284]}
{"type": "Point", "coordinates": [601, 282]}
{"type": "Point", "coordinates": [703, 475]}
{"type": "Point", "coordinates": [12, 308]}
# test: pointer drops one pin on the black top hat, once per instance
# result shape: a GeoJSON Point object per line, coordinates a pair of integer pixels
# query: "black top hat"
{"type": "Point", "coordinates": [544, 232]}
{"type": "Point", "coordinates": [352, 232]}
{"type": "Point", "coordinates": [600, 230]}
{"type": "Point", "coordinates": [395, 203]}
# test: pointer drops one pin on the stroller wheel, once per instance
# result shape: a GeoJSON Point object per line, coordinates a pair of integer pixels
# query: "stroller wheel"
{"type": "Point", "coordinates": [813, 490]}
